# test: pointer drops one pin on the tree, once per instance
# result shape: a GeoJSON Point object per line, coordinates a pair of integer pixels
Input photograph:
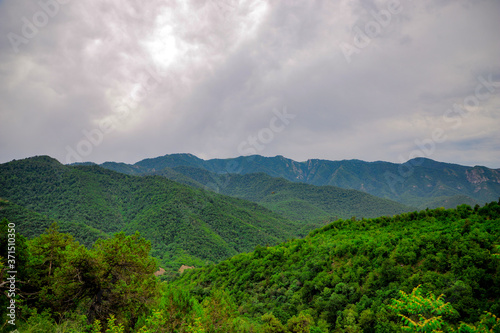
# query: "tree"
{"type": "Point", "coordinates": [220, 309]}
{"type": "Point", "coordinates": [124, 282]}
{"type": "Point", "coordinates": [114, 278]}
{"type": "Point", "coordinates": [13, 257]}
{"type": "Point", "coordinates": [300, 324]}
{"type": "Point", "coordinates": [272, 324]}
{"type": "Point", "coordinates": [48, 256]}
{"type": "Point", "coordinates": [348, 322]}
{"type": "Point", "coordinates": [420, 313]}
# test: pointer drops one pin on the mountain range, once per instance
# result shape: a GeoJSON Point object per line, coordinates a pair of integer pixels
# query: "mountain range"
{"type": "Point", "coordinates": [420, 182]}
{"type": "Point", "coordinates": [196, 211]}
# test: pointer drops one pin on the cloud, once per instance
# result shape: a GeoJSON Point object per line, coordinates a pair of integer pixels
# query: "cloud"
{"type": "Point", "coordinates": [204, 76]}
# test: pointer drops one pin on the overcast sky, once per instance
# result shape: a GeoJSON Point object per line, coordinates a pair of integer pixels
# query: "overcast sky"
{"type": "Point", "coordinates": [123, 80]}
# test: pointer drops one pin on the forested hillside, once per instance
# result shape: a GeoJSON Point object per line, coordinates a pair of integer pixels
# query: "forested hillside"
{"type": "Point", "coordinates": [345, 274]}
{"type": "Point", "coordinates": [31, 224]}
{"type": "Point", "coordinates": [185, 225]}
{"type": "Point", "coordinates": [297, 201]}
{"type": "Point", "coordinates": [428, 271]}
{"type": "Point", "coordinates": [420, 182]}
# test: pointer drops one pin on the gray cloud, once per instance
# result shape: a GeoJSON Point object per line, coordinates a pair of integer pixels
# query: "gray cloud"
{"type": "Point", "coordinates": [205, 76]}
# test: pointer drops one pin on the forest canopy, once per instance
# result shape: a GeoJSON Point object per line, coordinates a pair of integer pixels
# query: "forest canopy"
{"type": "Point", "coordinates": [349, 276]}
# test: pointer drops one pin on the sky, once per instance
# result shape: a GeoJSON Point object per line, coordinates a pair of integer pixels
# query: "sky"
{"type": "Point", "coordinates": [124, 80]}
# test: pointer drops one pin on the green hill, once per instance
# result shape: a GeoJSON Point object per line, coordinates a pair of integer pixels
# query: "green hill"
{"type": "Point", "coordinates": [297, 201]}
{"type": "Point", "coordinates": [31, 224]}
{"type": "Point", "coordinates": [185, 225]}
{"type": "Point", "coordinates": [345, 274]}
{"type": "Point", "coordinates": [349, 276]}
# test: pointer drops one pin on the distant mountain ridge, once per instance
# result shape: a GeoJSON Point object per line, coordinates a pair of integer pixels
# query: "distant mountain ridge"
{"type": "Point", "coordinates": [420, 182]}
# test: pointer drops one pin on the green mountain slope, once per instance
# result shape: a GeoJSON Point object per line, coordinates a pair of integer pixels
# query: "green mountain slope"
{"type": "Point", "coordinates": [418, 182]}
{"type": "Point", "coordinates": [185, 225]}
{"type": "Point", "coordinates": [31, 224]}
{"type": "Point", "coordinates": [346, 273]}
{"type": "Point", "coordinates": [179, 175]}
{"type": "Point", "coordinates": [297, 201]}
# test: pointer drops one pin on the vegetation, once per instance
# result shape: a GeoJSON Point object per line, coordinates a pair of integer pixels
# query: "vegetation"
{"type": "Point", "coordinates": [185, 225]}
{"type": "Point", "coordinates": [376, 275]}
{"type": "Point", "coordinates": [296, 201]}
{"type": "Point", "coordinates": [420, 182]}
{"type": "Point", "coordinates": [32, 224]}
{"type": "Point", "coordinates": [346, 273]}
{"type": "Point", "coordinates": [90, 240]}
{"type": "Point", "coordinates": [300, 201]}
{"type": "Point", "coordinates": [61, 281]}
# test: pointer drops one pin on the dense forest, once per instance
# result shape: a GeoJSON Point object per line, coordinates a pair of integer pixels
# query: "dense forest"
{"type": "Point", "coordinates": [296, 201]}
{"type": "Point", "coordinates": [186, 226]}
{"type": "Point", "coordinates": [428, 271]}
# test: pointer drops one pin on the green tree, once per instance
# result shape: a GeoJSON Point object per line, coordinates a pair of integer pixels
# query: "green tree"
{"type": "Point", "coordinates": [420, 313]}
{"type": "Point", "coordinates": [114, 278]}
{"type": "Point", "coordinates": [48, 256]}
{"type": "Point", "coordinates": [124, 281]}
{"type": "Point", "coordinates": [220, 309]}
{"type": "Point", "coordinates": [300, 324]}
{"type": "Point", "coordinates": [488, 323]}
{"type": "Point", "coordinates": [272, 324]}
{"type": "Point", "coordinates": [348, 322]}
{"type": "Point", "coordinates": [13, 251]}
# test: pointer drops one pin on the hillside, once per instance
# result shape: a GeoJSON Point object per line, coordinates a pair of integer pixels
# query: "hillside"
{"type": "Point", "coordinates": [31, 224]}
{"type": "Point", "coordinates": [418, 182]}
{"type": "Point", "coordinates": [344, 275]}
{"type": "Point", "coordinates": [297, 201]}
{"type": "Point", "coordinates": [438, 268]}
{"type": "Point", "coordinates": [185, 225]}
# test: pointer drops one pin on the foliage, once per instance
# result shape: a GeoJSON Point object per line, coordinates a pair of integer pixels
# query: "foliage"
{"type": "Point", "coordinates": [346, 273]}
{"type": "Point", "coordinates": [420, 313]}
{"type": "Point", "coordinates": [297, 201]}
{"type": "Point", "coordinates": [32, 224]}
{"type": "Point", "coordinates": [352, 275]}
{"type": "Point", "coordinates": [420, 182]}
{"type": "Point", "coordinates": [349, 276]}
{"type": "Point", "coordinates": [426, 314]}
{"type": "Point", "coordinates": [185, 225]}
{"type": "Point", "coordinates": [113, 281]}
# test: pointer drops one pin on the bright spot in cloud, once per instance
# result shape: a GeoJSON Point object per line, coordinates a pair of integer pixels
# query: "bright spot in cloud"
{"type": "Point", "coordinates": [163, 45]}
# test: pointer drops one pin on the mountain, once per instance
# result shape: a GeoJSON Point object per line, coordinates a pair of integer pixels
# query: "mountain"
{"type": "Point", "coordinates": [297, 201]}
{"type": "Point", "coordinates": [420, 182]}
{"type": "Point", "coordinates": [185, 225]}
